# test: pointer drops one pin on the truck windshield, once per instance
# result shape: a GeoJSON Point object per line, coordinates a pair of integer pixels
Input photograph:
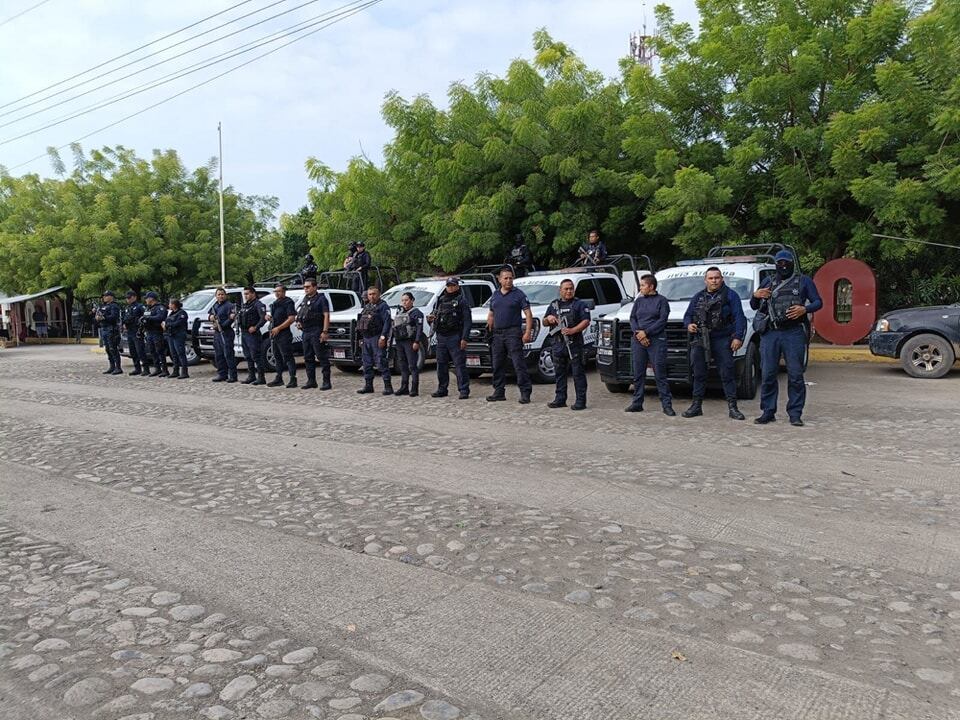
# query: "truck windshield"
{"type": "Point", "coordinates": [198, 300]}
{"type": "Point", "coordinates": [539, 293]}
{"type": "Point", "coordinates": [684, 288]}
{"type": "Point", "coordinates": [420, 297]}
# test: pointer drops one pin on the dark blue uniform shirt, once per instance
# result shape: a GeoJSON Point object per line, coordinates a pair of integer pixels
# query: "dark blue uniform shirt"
{"type": "Point", "coordinates": [312, 311]}
{"type": "Point", "coordinates": [132, 315]}
{"type": "Point", "coordinates": [223, 311]}
{"type": "Point", "coordinates": [280, 311]}
{"type": "Point", "coordinates": [576, 311]}
{"type": "Point", "coordinates": [109, 315]}
{"type": "Point", "coordinates": [809, 296]}
{"type": "Point", "coordinates": [382, 320]}
{"type": "Point", "coordinates": [734, 321]}
{"type": "Point", "coordinates": [508, 308]}
{"type": "Point", "coordinates": [457, 304]}
{"type": "Point", "coordinates": [153, 316]}
{"type": "Point", "coordinates": [650, 314]}
{"type": "Point", "coordinates": [176, 323]}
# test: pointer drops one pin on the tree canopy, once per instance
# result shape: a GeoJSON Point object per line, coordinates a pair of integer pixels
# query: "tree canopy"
{"type": "Point", "coordinates": [120, 221]}
{"type": "Point", "coordinates": [820, 123]}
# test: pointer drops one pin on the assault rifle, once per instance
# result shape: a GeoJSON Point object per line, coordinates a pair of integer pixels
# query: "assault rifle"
{"type": "Point", "coordinates": [702, 336]}
{"type": "Point", "coordinates": [561, 325]}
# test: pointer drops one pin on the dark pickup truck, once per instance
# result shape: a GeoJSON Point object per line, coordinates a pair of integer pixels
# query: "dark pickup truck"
{"type": "Point", "coordinates": [925, 339]}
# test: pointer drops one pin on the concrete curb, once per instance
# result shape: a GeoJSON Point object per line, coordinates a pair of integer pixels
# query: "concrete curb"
{"type": "Point", "coordinates": [845, 353]}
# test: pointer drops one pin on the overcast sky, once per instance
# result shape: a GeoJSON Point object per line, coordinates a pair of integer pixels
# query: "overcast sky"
{"type": "Point", "coordinates": [320, 96]}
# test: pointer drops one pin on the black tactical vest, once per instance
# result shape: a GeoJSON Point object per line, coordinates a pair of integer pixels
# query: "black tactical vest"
{"type": "Point", "coordinates": [710, 311]}
{"type": "Point", "coordinates": [404, 326]}
{"type": "Point", "coordinates": [448, 313]}
{"type": "Point", "coordinates": [782, 297]}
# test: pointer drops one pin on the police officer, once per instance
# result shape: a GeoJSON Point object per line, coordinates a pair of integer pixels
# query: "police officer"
{"type": "Point", "coordinates": [595, 251]}
{"type": "Point", "coordinates": [222, 315]}
{"type": "Point", "coordinates": [282, 315]}
{"type": "Point", "coordinates": [175, 330]}
{"type": "Point", "coordinates": [451, 325]}
{"type": "Point", "coordinates": [408, 336]}
{"type": "Point", "coordinates": [108, 319]}
{"type": "Point", "coordinates": [153, 317]}
{"type": "Point", "coordinates": [131, 323]}
{"type": "Point", "coordinates": [309, 269]}
{"type": "Point", "coordinates": [718, 312]}
{"type": "Point", "coordinates": [571, 316]}
{"type": "Point", "coordinates": [374, 328]}
{"type": "Point", "coordinates": [519, 256]}
{"type": "Point", "coordinates": [361, 265]}
{"type": "Point", "coordinates": [648, 323]}
{"type": "Point", "coordinates": [783, 303]}
{"type": "Point", "coordinates": [509, 308]}
{"type": "Point", "coordinates": [313, 318]}
{"type": "Point", "coordinates": [250, 319]}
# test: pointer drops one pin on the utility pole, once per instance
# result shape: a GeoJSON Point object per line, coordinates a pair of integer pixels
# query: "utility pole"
{"type": "Point", "coordinates": [642, 48]}
{"type": "Point", "coordinates": [223, 262]}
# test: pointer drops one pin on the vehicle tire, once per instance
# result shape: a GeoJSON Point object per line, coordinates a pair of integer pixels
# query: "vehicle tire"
{"type": "Point", "coordinates": [927, 356]}
{"type": "Point", "coordinates": [544, 372]}
{"type": "Point", "coordinates": [474, 373]}
{"type": "Point", "coordinates": [269, 359]}
{"type": "Point", "coordinates": [618, 388]}
{"type": "Point", "coordinates": [192, 357]}
{"type": "Point", "coordinates": [349, 369]}
{"type": "Point", "coordinates": [748, 379]}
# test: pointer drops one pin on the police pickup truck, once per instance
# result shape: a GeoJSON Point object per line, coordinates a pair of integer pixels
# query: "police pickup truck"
{"type": "Point", "coordinates": [601, 287]}
{"type": "Point", "coordinates": [743, 267]}
{"type": "Point", "coordinates": [344, 343]}
{"type": "Point", "coordinates": [337, 300]}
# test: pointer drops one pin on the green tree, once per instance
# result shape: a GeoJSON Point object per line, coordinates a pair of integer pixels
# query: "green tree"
{"type": "Point", "coordinates": [118, 220]}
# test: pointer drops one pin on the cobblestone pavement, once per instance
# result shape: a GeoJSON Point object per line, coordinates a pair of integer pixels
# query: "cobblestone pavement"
{"type": "Point", "coordinates": [95, 642]}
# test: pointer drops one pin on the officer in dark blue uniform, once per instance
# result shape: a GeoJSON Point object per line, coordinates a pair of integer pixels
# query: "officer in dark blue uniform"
{"type": "Point", "coordinates": [131, 323]}
{"type": "Point", "coordinates": [648, 323]}
{"type": "Point", "coordinates": [250, 320]}
{"type": "Point", "coordinates": [783, 304]}
{"type": "Point", "coordinates": [451, 325]}
{"type": "Point", "coordinates": [313, 318]}
{"type": "Point", "coordinates": [408, 336]}
{"type": "Point", "coordinates": [374, 327]}
{"type": "Point", "coordinates": [153, 318]}
{"type": "Point", "coordinates": [108, 320]}
{"type": "Point", "coordinates": [520, 256]}
{"type": "Point", "coordinates": [222, 315]}
{"type": "Point", "coordinates": [717, 311]}
{"type": "Point", "coordinates": [282, 315]}
{"type": "Point", "coordinates": [509, 309]}
{"type": "Point", "coordinates": [175, 330]}
{"type": "Point", "coordinates": [595, 251]}
{"type": "Point", "coordinates": [309, 269]}
{"type": "Point", "coordinates": [570, 317]}
{"type": "Point", "coordinates": [361, 265]}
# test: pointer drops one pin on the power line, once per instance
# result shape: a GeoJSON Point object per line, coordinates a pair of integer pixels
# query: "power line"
{"type": "Point", "coordinates": [329, 23]}
{"type": "Point", "coordinates": [922, 242]}
{"type": "Point", "coordinates": [150, 86]}
{"type": "Point", "coordinates": [149, 67]}
{"type": "Point", "coordinates": [23, 12]}
{"type": "Point", "coordinates": [123, 55]}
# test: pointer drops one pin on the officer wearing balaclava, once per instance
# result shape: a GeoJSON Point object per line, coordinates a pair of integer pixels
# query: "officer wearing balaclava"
{"type": "Point", "coordinates": [783, 303]}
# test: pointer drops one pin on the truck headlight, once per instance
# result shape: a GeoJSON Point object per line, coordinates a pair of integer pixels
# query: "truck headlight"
{"type": "Point", "coordinates": [882, 326]}
{"type": "Point", "coordinates": [605, 334]}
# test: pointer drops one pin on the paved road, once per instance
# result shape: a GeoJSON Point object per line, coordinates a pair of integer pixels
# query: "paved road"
{"type": "Point", "coordinates": [174, 549]}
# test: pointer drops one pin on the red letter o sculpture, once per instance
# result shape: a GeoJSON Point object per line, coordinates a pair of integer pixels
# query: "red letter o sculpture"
{"type": "Point", "coordinates": [864, 297]}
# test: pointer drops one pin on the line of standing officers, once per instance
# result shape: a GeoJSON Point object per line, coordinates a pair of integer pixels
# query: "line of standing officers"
{"type": "Point", "coordinates": [714, 320]}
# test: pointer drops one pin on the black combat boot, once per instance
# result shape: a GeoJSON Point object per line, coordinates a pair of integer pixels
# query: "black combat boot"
{"type": "Point", "coordinates": [580, 404]}
{"type": "Point", "coordinates": [439, 394]}
{"type": "Point", "coordinates": [249, 379]}
{"type": "Point", "coordinates": [695, 409]}
{"type": "Point", "coordinates": [175, 373]}
{"type": "Point", "coordinates": [311, 383]}
{"type": "Point", "coordinates": [387, 387]}
{"type": "Point", "coordinates": [403, 389]}
{"type": "Point", "coordinates": [276, 382]}
{"type": "Point", "coordinates": [109, 370]}
{"type": "Point", "coordinates": [325, 385]}
{"type": "Point", "coordinates": [765, 418]}
{"type": "Point", "coordinates": [415, 388]}
{"type": "Point", "coordinates": [634, 407]}
{"type": "Point", "coordinates": [734, 411]}
{"type": "Point", "coordinates": [557, 404]}
{"type": "Point", "coordinates": [184, 375]}
{"type": "Point", "coordinates": [292, 383]}
{"type": "Point", "coordinates": [669, 411]}
{"type": "Point", "coordinates": [261, 378]}
{"type": "Point", "coordinates": [136, 371]}
{"type": "Point", "coordinates": [366, 389]}
{"type": "Point", "coordinates": [496, 397]}
{"type": "Point", "coordinates": [524, 398]}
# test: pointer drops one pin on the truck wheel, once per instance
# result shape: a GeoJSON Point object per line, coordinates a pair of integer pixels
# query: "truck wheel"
{"type": "Point", "coordinates": [269, 360]}
{"type": "Point", "coordinates": [192, 357]}
{"type": "Point", "coordinates": [349, 369]}
{"type": "Point", "coordinates": [927, 356]}
{"type": "Point", "coordinates": [618, 388]}
{"type": "Point", "coordinates": [749, 377]}
{"type": "Point", "coordinates": [545, 372]}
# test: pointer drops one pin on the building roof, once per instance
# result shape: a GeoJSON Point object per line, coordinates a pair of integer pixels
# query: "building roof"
{"type": "Point", "coordinates": [24, 298]}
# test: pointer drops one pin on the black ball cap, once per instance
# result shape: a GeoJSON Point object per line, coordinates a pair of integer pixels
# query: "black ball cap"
{"type": "Point", "coordinates": [108, 293]}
